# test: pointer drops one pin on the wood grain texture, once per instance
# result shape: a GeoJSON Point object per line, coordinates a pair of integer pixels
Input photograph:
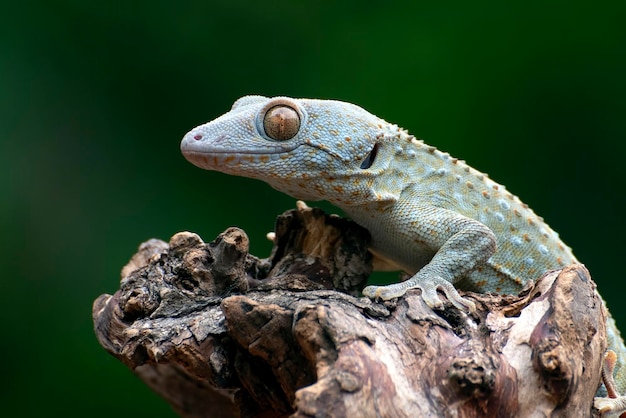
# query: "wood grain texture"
{"type": "Point", "coordinates": [218, 332]}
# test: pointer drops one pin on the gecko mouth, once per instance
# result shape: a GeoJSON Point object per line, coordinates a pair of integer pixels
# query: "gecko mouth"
{"type": "Point", "coordinates": [221, 151]}
{"type": "Point", "coordinates": [216, 159]}
{"type": "Point", "coordinates": [209, 156]}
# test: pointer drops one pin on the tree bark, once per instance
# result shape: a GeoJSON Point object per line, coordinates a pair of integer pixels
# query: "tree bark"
{"type": "Point", "coordinates": [220, 333]}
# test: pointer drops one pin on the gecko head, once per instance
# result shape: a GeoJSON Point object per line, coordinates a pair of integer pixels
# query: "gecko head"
{"type": "Point", "coordinates": [309, 149]}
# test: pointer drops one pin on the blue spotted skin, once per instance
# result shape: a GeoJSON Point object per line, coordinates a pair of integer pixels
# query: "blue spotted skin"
{"type": "Point", "coordinates": [429, 214]}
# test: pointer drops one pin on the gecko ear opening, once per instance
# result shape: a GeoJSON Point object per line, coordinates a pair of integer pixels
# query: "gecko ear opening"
{"type": "Point", "coordinates": [369, 160]}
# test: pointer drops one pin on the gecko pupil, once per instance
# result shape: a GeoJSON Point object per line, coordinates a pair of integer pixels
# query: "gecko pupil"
{"type": "Point", "coordinates": [369, 160]}
{"type": "Point", "coordinates": [281, 123]}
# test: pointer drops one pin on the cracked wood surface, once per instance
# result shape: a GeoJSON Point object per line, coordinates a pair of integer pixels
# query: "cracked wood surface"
{"type": "Point", "coordinates": [218, 332]}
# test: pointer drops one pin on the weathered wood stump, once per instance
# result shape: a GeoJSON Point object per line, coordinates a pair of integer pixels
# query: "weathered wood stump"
{"type": "Point", "coordinates": [220, 333]}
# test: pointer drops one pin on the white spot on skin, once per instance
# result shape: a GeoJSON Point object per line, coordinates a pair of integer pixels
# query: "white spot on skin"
{"type": "Point", "coordinates": [411, 153]}
{"type": "Point", "coordinates": [441, 172]}
{"type": "Point", "coordinates": [543, 250]}
{"type": "Point", "coordinates": [504, 204]}
{"type": "Point", "coordinates": [499, 216]}
{"type": "Point", "coordinates": [529, 261]}
{"type": "Point", "coordinates": [399, 149]}
{"type": "Point", "coordinates": [516, 241]}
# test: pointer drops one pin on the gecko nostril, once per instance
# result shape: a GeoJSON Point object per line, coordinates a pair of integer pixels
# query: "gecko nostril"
{"type": "Point", "coordinates": [197, 137]}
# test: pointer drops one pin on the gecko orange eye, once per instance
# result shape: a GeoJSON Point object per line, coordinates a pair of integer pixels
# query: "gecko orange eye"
{"type": "Point", "coordinates": [281, 123]}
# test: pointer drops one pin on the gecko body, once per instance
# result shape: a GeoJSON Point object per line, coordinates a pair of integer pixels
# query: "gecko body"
{"type": "Point", "coordinates": [429, 214]}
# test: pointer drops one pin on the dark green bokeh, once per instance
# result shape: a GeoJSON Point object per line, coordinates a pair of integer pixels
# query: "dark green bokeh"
{"type": "Point", "coordinates": [95, 98]}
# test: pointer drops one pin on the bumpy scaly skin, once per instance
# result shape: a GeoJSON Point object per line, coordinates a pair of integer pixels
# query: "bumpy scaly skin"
{"type": "Point", "coordinates": [429, 214]}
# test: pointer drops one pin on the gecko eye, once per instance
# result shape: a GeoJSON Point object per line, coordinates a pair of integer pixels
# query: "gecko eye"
{"type": "Point", "coordinates": [281, 122]}
{"type": "Point", "coordinates": [369, 160]}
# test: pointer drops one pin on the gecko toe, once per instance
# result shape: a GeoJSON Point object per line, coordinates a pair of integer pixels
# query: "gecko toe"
{"type": "Point", "coordinates": [431, 286]}
{"type": "Point", "coordinates": [381, 292]}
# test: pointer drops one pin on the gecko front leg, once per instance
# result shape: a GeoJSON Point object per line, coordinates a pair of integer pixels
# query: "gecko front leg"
{"type": "Point", "coordinates": [463, 244]}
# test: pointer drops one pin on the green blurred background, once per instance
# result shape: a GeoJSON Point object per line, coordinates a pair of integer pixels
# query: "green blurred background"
{"type": "Point", "coordinates": [95, 98]}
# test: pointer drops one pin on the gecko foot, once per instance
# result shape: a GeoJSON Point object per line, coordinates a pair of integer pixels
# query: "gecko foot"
{"type": "Point", "coordinates": [428, 286]}
{"type": "Point", "coordinates": [610, 407]}
{"type": "Point", "coordinates": [614, 405]}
